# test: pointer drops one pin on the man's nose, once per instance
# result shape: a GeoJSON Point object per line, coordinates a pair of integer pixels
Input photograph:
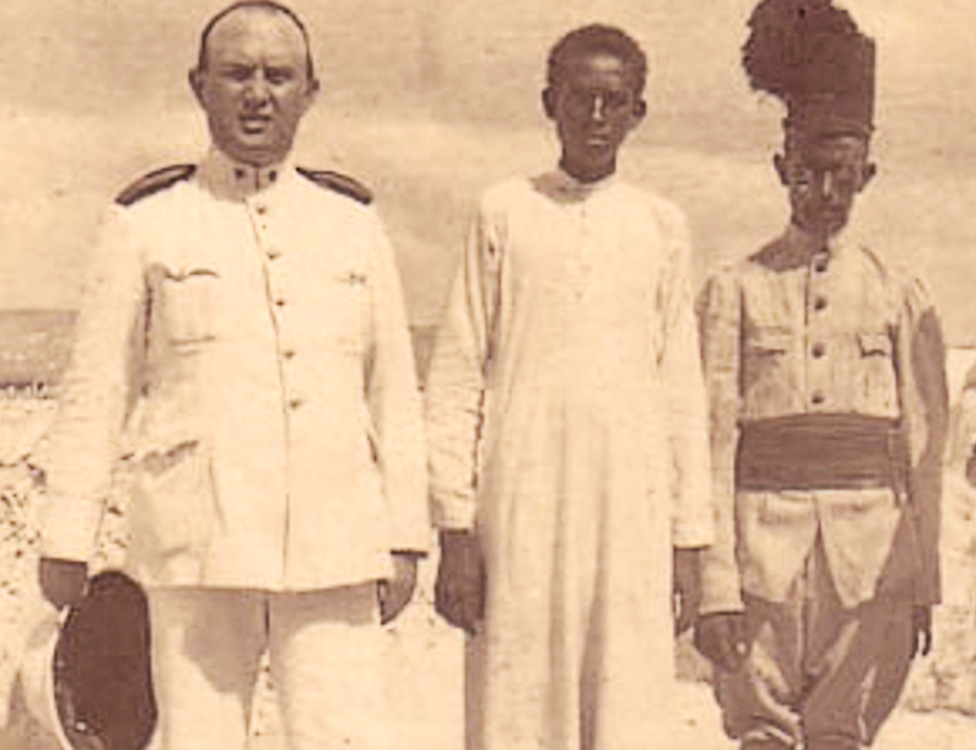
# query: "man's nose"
{"type": "Point", "coordinates": [257, 91]}
{"type": "Point", "coordinates": [598, 109]}
{"type": "Point", "coordinates": [828, 185]}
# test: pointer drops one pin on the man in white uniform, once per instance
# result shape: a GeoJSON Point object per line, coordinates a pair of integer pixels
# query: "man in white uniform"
{"type": "Point", "coordinates": [567, 425]}
{"type": "Point", "coordinates": [242, 346]}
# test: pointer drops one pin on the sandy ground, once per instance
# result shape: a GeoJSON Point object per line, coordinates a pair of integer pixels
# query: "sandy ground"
{"type": "Point", "coordinates": [427, 698]}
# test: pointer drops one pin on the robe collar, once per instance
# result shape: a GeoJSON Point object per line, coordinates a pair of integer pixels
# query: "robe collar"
{"type": "Point", "coordinates": [564, 188]}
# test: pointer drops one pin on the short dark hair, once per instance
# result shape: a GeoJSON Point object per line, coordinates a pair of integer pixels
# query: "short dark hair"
{"type": "Point", "coordinates": [269, 6]}
{"type": "Point", "coordinates": [598, 39]}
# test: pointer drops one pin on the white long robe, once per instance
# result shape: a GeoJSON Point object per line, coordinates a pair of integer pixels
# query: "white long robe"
{"type": "Point", "coordinates": [567, 425]}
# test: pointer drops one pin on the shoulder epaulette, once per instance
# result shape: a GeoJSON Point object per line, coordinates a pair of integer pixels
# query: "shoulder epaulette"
{"type": "Point", "coordinates": [155, 181]}
{"type": "Point", "coordinates": [340, 183]}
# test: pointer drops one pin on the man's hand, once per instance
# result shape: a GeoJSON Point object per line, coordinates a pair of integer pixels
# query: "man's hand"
{"type": "Point", "coordinates": [459, 594]}
{"type": "Point", "coordinates": [62, 581]}
{"type": "Point", "coordinates": [395, 593]}
{"type": "Point", "coordinates": [722, 639]}
{"type": "Point", "coordinates": [922, 630]}
{"type": "Point", "coordinates": [687, 587]}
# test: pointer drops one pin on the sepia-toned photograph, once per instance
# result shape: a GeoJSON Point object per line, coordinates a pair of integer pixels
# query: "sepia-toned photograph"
{"type": "Point", "coordinates": [516, 375]}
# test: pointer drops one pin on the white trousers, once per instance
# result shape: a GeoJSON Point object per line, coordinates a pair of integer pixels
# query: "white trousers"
{"type": "Point", "coordinates": [326, 650]}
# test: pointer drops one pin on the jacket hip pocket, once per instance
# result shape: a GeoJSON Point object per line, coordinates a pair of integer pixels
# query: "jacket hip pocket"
{"type": "Point", "coordinates": [174, 506]}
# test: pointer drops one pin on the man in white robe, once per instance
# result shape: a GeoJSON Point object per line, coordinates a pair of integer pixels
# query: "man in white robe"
{"type": "Point", "coordinates": [568, 432]}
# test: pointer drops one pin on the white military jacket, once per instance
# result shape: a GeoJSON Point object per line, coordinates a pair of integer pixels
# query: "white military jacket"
{"type": "Point", "coordinates": [243, 346]}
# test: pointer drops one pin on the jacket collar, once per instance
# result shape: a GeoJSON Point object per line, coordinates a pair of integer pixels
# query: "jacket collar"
{"type": "Point", "coordinates": [230, 179]}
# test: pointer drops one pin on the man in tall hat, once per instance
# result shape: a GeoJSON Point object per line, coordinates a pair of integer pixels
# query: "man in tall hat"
{"type": "Point", "coordinates": [825, 370]}
{"type": "Point", "coordinates": [243, 345]}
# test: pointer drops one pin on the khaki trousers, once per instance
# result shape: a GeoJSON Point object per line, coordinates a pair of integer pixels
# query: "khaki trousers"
{"type": "Point", "coordinates": [326, 650]}
{"type": "Point", "coordinates": [819, 675]}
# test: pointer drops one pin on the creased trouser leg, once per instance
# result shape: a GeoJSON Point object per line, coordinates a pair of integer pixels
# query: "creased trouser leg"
{"type": "Point", "coordinates": [206, 648]}
{"type": "Point", "coordinates": [818, 672]}
{"type": "Point", "coordinates": [327, 663]}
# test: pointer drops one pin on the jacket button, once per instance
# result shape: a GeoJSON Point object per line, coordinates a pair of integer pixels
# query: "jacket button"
{"type": "Point", "coordinates": [819, 350]}
{"type": "Point", "coordinates": [273, 254]}
{"type": "Point", "coordinates": [288, 353]}
{"type": "Point", "coordinates": [817, 398]}
{"type": "Point", "coordinates": [280, 302]}
{"type": "Point", "coordinates": [820, 303]}
{"type": "Point", "coordinates": [295, 403]}
{"type": "Point", "coordinates": [261, 208]}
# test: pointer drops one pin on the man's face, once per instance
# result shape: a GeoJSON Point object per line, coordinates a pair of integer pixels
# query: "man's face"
{"type": "Point", "coordinates": [255, 85]}
{"type": "Point", "coordinates": [823, 176]}
{"type": "Point", "coordinates": [594, 105]}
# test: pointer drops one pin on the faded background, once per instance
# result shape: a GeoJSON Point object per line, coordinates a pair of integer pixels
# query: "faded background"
{"type": "Point", "coordinates": [429, 102]}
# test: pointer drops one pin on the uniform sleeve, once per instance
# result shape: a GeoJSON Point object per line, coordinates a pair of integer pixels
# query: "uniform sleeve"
{"type": "Point", "coordinates": [692, 509]}
{"type": "Point", "coordinates": [395, 406]}
{"type": "Point", "coordinates": [456, 380]}
{"type": "Point", "coordinates": [720, 340]}
{"type": "Point", "coordinates": [96, 395]}
{"type": "Point", "coordinates": [924, 399]}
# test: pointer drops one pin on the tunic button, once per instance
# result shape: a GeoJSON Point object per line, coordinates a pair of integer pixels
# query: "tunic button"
{"type": "Point", "coordinates": [819, 350]}
{"type": "Point", "coordinates": [821, 266]}
{"type": "Point", "coordinates": [818, 398]}
{"type": "Point", "coordinates": [261, 208]}
{"type": "Point", "coordinates": [280, 302]}
{"type": "Point", "coordinates": [274, 254]}
{"type": "Point", "coordinates": [295, 403]}
{"type": "Point", "coordinates": [288, 353]}
{"type": "Point", "coordinates": [820, 303]}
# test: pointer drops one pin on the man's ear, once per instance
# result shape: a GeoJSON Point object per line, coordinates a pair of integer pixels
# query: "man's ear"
{"type": "Point", "coordinates": [868, 173]}
{"type": "Point", "coordinates": [549, 102]}
{"type": "Point", "coordinates": [640, 109]}
{"type": "Point", "coordinates": [779, 162]}
{"type": "Point", "coordinates": [312, 89]}
{"type": "Point", "coordinates": [195, 77]}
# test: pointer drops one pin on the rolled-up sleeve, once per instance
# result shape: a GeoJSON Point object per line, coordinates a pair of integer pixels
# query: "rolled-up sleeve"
{"type": "Point", "coordinates": [395, 405]}
{"type": "Point", "coordinates": [693, 522]}
{"type": "Point", "coordinates": [720, 341]}
{"type": "Point", "coordinates": [96, 396]}
{"type": "Point", "coordinates": [456, 380]}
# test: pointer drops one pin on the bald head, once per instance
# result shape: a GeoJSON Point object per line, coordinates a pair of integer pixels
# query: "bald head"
{"type": "Point", "coordinates": [255, 6]}
{"type": "Point", "coordinates": [254, 80]}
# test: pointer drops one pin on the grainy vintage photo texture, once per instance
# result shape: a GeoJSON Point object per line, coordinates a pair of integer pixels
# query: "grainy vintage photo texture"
{"type": "Point", "coordinates": [429, 102]}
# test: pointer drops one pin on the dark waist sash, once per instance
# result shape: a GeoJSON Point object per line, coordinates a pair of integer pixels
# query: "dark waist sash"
{"type": "Point", "coordinates": [821, 451]}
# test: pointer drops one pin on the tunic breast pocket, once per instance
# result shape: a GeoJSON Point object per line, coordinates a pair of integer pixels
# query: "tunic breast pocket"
{"type": "Point", "coordinates": [767, 378]}
{"type": "Point", "coordinates": [877, 376]}
{"type": "Point", "coordinates": [186, 304]}
{"type": "Point", "coordinates": [345, 305]}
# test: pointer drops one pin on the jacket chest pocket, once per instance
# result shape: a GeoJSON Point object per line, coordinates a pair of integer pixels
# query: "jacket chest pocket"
{"type": "Point", "coordinates": [877, 372]}
{"type": "Point", "coordinates": [345, 307]}
{"type": "Point", "coordinates": [767, 379]}
{"type": "Point", "coordinates": [185, 304]}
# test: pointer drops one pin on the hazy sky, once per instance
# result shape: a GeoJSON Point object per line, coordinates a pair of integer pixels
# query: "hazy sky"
{"type": "Point", "coordinates": [94, 91]}
{"type": "Point", "coordinates": [482, 59]}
